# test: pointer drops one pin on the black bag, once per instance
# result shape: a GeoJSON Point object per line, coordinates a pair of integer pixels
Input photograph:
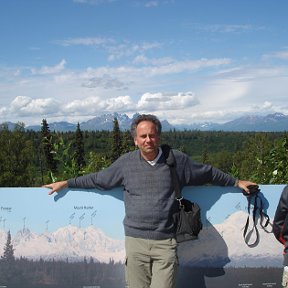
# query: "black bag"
{"type": "Point", "coordinates": [187, 217]}
{"type": "Point", "coordinates": [188, 220]}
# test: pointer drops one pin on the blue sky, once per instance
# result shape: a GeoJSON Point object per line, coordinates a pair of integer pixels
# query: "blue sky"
{"type": "Point", "coordinates": [185, 61]}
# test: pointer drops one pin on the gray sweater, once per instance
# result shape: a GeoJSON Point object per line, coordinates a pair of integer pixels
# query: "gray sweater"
{"type": "Point", "coordinates": [148, 193]}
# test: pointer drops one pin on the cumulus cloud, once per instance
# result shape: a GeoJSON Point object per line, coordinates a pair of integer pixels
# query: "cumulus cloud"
{"type": "Point", "coordinates": [86, 106]}
{"type": "Point", "coordinates": [121, 103]}
{"type": "Point", "coordinates": [94, 105]}
{"type": "Point", "coordinates": [26, 106]}
{"type": "Point", "coordinates": [267, 105]}
{"type": "Point", "coordinates": [3, 111]}
{"type": "Point", "coordinates": [166, 101]}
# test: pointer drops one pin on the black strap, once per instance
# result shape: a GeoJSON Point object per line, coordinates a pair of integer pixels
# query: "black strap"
{"type": "Point", "coordinates": [257, 213]}
{"type": "Point", "coordinates": [170, 161]}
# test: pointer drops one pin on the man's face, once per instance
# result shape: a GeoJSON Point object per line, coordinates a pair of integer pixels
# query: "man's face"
{"type": "Point", "coordinates": [147, 139]}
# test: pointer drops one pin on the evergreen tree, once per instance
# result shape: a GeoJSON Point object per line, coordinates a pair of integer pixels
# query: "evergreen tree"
{"type": "Point", "coordinates": [79, 149]}
{"type": "Point", "coordinates": [47, 146]}
{"type": "Point", "coordinates": [205, 157]}
{"type": "Point", "coordinates": [7, 264]}
{"type": "Point", "coordinates": [8, 255]}
{"type": "Point", "coordinates": [117, 141]}
{"type": "Point", "coordinates": [16, 157]}
{"type": "Point", "coordinates": [127, 142]}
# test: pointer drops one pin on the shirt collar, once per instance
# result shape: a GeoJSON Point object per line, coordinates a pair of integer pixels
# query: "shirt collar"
{"type": "Point", "coordinates": [154, 161]}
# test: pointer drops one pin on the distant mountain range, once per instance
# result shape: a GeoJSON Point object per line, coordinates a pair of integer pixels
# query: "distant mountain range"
{"type": "Point", "coordinates": [276, 122]}
{"type": "Point", "coordinates": [69, 242]}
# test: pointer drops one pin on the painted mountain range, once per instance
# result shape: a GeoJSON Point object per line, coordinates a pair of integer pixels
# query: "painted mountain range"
{"type": "Point", "coordinates": [218, 246]}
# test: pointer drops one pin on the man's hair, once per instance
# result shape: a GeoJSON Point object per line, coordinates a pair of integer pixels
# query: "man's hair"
{"type": "Point", "coordinates": [145, 117]}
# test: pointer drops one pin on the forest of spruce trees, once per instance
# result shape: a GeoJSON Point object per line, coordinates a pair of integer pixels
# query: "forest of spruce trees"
{"type": "Point", "coordinates": [30, 159]}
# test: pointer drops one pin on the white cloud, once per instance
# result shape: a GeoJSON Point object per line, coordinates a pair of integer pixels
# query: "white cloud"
{"type": "Point", "coordinates": [95, 105]}
{"type": "Point", "coordinates": [225, 28]}
{"type": "Point", "coordinates": [121, 103]}
{"type": "Point", "coordinates": [282, 55]}
{"type": "Point", "coordinates": [267, 105]}
{"type": "Point", "coordinates": [142, 59]}
{"type": "Point", "coordinates": [50, 69]}
{"type": "Point", "coordinates": [93, 2]}
{"type": "Point", "coordinates": [223, 92]}
{"type": "Point", "coordinates": [87, 106]}
{"type": "Point", "coordinates": [86, 41]}
{"type": "Point", "coordinates": [3, 111]}
{"type": "Point", "coordinates": [105, 81]}
{"type": "Point", "coordinates": [185, 66]}
{"type": "Point", "coordinates": [127, 49]}
{"type": "Point", "coordinates": [26, 106]}
{"type": "Point", "coordinates": [114, 49]}
{"type": "Point", "coordinates": [150, 4]}
{"type": "Point", "coordinates": [166, 101]}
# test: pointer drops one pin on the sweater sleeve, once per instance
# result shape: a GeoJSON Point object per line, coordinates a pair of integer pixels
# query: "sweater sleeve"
{"type": "Point", "coordinates": [280, 217]}
{"type": "Point", "coordinates": [105, 179]}
{"type": "Point", "coordinates": [201, 174]}
{"type": "Point", "coordinates": [280, 222]}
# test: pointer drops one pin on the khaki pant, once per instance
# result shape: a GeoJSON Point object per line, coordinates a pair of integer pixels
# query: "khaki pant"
{"type": "Point", "coordinates": [151, 263]}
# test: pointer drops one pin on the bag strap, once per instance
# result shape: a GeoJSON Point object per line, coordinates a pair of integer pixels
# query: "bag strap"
{"type": "Point", "coordinates": [258, 212]}
{"type": "Point", "coordinates": [170, 161]}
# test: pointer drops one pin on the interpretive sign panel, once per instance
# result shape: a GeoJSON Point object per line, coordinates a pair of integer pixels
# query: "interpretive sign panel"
{"type": "Point", "coordinates": [76, 239]}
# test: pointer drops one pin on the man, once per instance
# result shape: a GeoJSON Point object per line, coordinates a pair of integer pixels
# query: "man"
{"type": "Point", "coordinates": [151, 259]}
{"type": "Point", "coordinates": [280, 230]}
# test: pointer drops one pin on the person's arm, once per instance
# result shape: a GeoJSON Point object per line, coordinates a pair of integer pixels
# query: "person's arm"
{"type": "Point", "coordinates": [200, 174]}
{"type": "Point", "coordinates": [279, 226]}
{"type": "Point", "coordinates": [280, 230]}
{"type": "Point", "coordinates": [105, 179]}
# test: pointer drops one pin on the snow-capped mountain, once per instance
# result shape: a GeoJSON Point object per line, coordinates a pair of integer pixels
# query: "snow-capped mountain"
{"type": "Point", "coordinates": [105, 122]}
{"type": "Point", "coordinates": [269, 123]}
{"type": "Point", "coordinates": [68, 242]}
{"type": "Point", "coordinates": [224, 245]}
{"type": "Point", "coordinates": [261, 123]}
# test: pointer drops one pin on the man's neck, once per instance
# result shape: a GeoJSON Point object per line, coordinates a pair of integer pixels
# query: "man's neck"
{"type": "Point", "coordinates": [150, 156]}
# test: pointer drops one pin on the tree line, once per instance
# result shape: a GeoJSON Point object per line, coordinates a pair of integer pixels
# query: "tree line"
{"type": "Point", "coordinates": [28, 273]}
{"type": "Point", "coordinates": [32, 158]}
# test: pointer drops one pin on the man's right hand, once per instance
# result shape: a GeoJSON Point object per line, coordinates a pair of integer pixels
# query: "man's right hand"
{"type": "Point", "coordinates": [56, 186]}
